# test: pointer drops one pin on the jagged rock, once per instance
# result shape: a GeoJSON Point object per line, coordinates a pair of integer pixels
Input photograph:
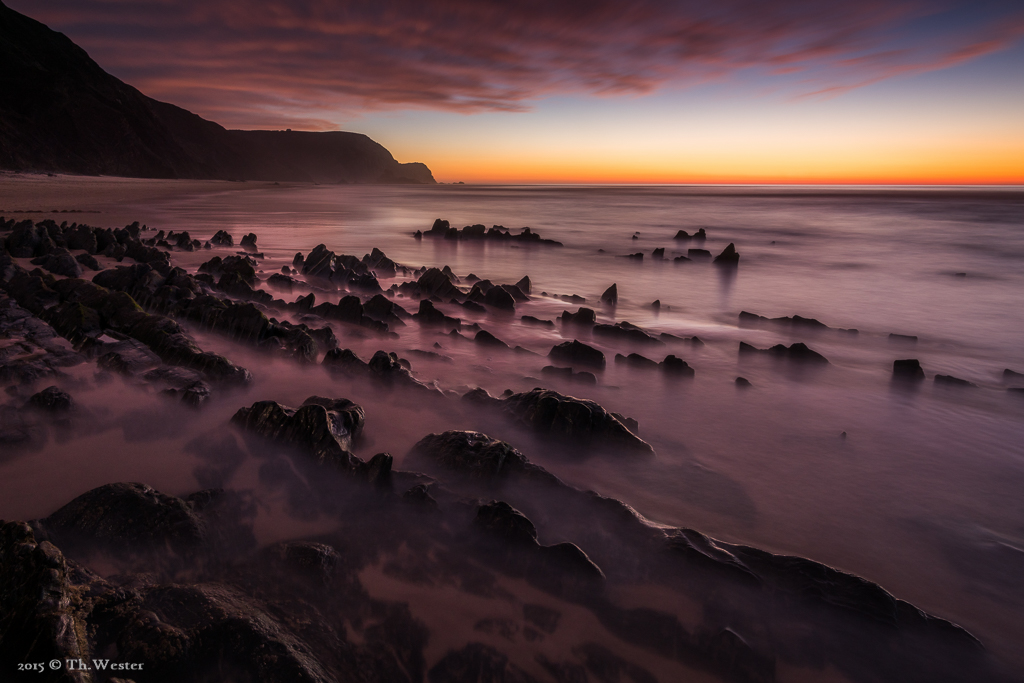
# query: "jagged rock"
{"type": "Point", "coordinates": [743, 382]}
{"type": "Point", "coordinates": [577, 353]}
{"type": "Point", "coordinates": [41, 616]}
{"type": "Point", "coordinates": [682, 235]}
{"type": "Point", "coordinates": [584, 422]}
{"type": "Point", "coordinates": [60, 262]}
{"type": "Point", "coordinates": [909, 369]}
{"type": "Point", "coordinates": [282, 282]}
{"type": "Point", "coordinates": [658, 253]}
{"type": "Point", "coordinates": [682, 259]}
{"type": "Point", "coordinates": [610, 296]}
{"type": "Point", "coordinates": [384, 367]}
{"type": "Point", "coordinates": [378, 261]}
{"type": "Point", "coordinates": [525, 285]}
{"type": "Point", "coordinates": [52, 400]}
{"type": "Point", "coordinates": [1011, 376]}
{"type": "Point", "coordinates": [222, 238]}
{"type": "Point", "coordinates": [381, 308]}
{"type": "Point", "coordinates": [698, 254]}
{"type": "Point", "coordinates": [798, 352]}
{"type": "Point", "coordinates": [700, 234]}
{"type": "Point", "coordinates": [729, 256]}
{"type": "Point", "coordinates": [638, 256]}
{"type": "Point", "coordinates": [477, 456]}
{"type": "Point", "coordinates": [323, 428]}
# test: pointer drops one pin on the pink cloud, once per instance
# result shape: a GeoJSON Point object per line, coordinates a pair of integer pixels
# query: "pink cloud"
{"type": "Point", "coordinates": [251, 63]}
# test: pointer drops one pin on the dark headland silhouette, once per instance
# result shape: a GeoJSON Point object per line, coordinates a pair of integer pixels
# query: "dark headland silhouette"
{"type": "Point", "coordinates": [60, 112]}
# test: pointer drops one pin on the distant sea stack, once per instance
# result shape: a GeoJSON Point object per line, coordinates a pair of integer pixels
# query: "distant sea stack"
{"type": "Point", "coordinates": [61, 113]}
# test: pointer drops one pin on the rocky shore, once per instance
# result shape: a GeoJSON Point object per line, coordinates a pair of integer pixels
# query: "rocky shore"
{"type": "Point", "coordinates": [180, 584]}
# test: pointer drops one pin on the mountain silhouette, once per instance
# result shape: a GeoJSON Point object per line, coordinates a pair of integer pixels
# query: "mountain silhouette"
{"type": "Point", "coordinates": [60, 112]}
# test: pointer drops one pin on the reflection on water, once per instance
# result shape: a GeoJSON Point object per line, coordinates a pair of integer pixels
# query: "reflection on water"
{"type": "Point", "coordinates": [922, 495]}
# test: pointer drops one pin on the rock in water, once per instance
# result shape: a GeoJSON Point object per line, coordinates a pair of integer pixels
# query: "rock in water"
{"type": "Point", "coordinates": [729, 256]}
{"type": "Point", "coordinates": [475, 455]}
{"type": "Point", "coordinates": [908, 369]}
{"type": "Point", "coordinates": [581, 421]}
{"type": "Point", "coordinates": [249, 242]}
{"type": "Point", "coordinates": [577, 353]}
{"type": "Point", "coordinates": [52, 400]}
{"type": "Point", "coordinates": [525, 285]}
{"type": "Point", "coordinates": [611, 295]}
{"type": "Point", "coordinates": [322, 427]}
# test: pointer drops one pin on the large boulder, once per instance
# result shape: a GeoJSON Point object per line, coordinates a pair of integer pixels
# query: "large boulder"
{"type": "Point", "coordinates": [128, 516]}
{"type": "Point", "coordinates": [476, 456]}
{"type": "Point", "coordinates": [323, 428]}
{"type": "Point", "coordinates": [59, 262]}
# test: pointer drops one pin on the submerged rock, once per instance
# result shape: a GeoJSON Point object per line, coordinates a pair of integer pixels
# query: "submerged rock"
{"type": "Point", "coordinates": [583, 317]}
{"type": "Point", "coordinates": [951, 381]}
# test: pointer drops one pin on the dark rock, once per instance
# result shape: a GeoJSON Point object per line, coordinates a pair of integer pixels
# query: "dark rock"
{"type": "Point", "coordinates": [950, 381]}
{"type": "Point", "coordinates": [430, 316]}
{"type": "Point", "coordinates": [635, 360]}
{"type": "Point", "coordinates": [610, 296]}
{"type": "Point", "coordinates": [480, 397]}
{"type": "Point", "coordinates": [909, 369]}
{"type": "Point", "coordinates": [501, 520]}
{"type": "Point", "coordinates": [41, 617]}
{"type": "Point", "coordinates": [89, 261]}
{"type": "Point", "coordinates": [700, 234]}
{"type": "Point", "coordinates": [584, 422]}
{"type": "Point", "coordinates": [380, 264]}
{"type": "Point", "coordinates": [222, 239]}
{"type": "Point", "coordinates": [743, 382]}
{"type": "Point", "coordinates": [572, 298]}
{"type": "Point", "coordinates": [676, 366]}
{"type": "Point", "coordinates": [516, 293]}
{"type": "Point", "coordinates": [477, 456]}
{"type": "Point", "coordinates": [577, 353]}
{"type": "Point", "coordinates": [682, 235]}
{"type": "Point", "coordinates": [525, 285]}
{"type": "Point", "coordinates": [473, 307]}
{"type": "Point", "coordinates": [52, 400]}
{"type": "Point", "coordinates": [531, 320]}
{"type": "Point", "coordinates": [249, 242]}
{"type": "Point", "coordinates": [196, 394]}
{"type": "Point", "coordinates": [420, 496]}
{"type": "Point", "coordinates": [658, 253]}
{"type": "Point", "coordinates": [682, 259]}
{"type": "Point", "coordinates": [656, 304]}
{"type": "Point", "coordinates": [729, 256]}
{"type": "Point", "coordinates": [499, 298]}
{"type": "Point", "coordinates": [128, 516]}
{"type": "Point", "coordinates": [698, 254]}
{"type": "Point", "coordinates": [638, 256]}
{"type": "Point", "coordinates": [624, 331]}
{"type": "Point", "coordinates": [323, 428]}
{"type": "Point", "coordinates": [60, 262]}
{"type": "Point", "coordinates": [583, 317]}
{"type": "Point", "coordinates": [908, 338]}
{"type": "Point", "coordinates": [282, 282]}
{"type": "Point", "coordinates": [485, 338]}
{"type": "Point", "coordinates": [797, 352]}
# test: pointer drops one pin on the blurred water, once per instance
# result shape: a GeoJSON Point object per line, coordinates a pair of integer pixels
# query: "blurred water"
{"type": "Point", "coordinates": [923, 495]}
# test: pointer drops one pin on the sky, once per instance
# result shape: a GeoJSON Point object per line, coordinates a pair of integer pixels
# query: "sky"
{"type": "Point", "coordinates": [685, 91]}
